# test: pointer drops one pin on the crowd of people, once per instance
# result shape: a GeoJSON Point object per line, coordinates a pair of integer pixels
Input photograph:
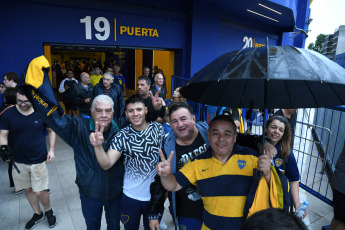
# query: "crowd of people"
{"type": "Point", "coordinates": [128, 162]}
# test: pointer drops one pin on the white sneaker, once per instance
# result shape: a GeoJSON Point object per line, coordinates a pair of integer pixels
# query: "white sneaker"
{"type": "Point", "coordinates": [163, 225]}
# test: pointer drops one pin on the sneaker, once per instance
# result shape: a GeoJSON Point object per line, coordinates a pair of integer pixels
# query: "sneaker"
{"type": "Point", "coordinates": [48, 190]}
{"type": "Point", "coordinates": [34, 220]}
{"type": "Point", "coordinates": [15, 192]}
{"type": "Point", "coordinates": [51, 218]}
{"type": "Point", "coordinates": [163, 225]}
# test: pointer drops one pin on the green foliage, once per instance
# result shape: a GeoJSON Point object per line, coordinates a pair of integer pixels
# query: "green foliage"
{"type": "Point", "coordinates": [311, 46]}
{"type": "Point", "coordinates": [318, 46]}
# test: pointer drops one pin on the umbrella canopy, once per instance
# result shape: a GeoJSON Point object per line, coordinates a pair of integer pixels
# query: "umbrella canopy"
{"type": "Point", "coordinates": [269, 77]}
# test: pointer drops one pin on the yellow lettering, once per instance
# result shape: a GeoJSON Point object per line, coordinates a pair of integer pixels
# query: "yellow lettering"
{"type": "Point", "coordinates": [137, 31]}
{"type": "Point", "coordinates": [40, 100]}
{"type": "Point", "coordinates": [150, 32]}
{"type": "Point", "coordinates": [155, 33]}
{"type": "Point", "coordinates": [144, 32]}
{"type": "Point", "coordinates": [123, 29]}
{"type": "Point", "coordinates": [132, 30]}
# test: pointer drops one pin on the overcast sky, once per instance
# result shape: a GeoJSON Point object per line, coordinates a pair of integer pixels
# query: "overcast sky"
{"type": "Point", "coordinates": [327, 16]}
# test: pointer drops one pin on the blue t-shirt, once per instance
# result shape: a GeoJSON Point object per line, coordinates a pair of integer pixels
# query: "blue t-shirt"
{"type": "Point", "coordinates": [121, 79]}
{"type": "Point", "coordinates": [289, 167]}
{"type": "Point", "coordinates": [27, 136]}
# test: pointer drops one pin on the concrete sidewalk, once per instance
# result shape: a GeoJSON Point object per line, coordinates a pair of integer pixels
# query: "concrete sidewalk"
{"type": "Point", "coordinates": [15, 210]}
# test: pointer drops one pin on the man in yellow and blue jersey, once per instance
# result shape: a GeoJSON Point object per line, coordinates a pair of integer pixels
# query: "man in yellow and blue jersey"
{"type": "Point", "coordinates": [223, 175]}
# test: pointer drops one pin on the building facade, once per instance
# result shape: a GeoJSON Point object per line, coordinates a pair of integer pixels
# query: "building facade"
{"type": "Point", "coordinates": [334, 43]}
{"type": "Point", "coordinates": [180, 37]}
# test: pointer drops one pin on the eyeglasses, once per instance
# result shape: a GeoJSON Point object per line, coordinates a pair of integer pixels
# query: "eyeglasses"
{"type": "Point", "coordinates": [23, 102]}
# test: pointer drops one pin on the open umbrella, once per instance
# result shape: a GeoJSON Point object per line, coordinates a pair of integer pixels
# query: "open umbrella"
{"type": "Point", "coordinates": [269, 77]}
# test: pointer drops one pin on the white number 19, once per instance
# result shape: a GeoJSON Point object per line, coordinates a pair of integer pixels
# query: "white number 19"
{"type": "Point", "coordinates": [98, 27]}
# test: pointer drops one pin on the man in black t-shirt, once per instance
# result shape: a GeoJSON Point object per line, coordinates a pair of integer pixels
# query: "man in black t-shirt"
{"type": "Point", "coordinates": [24, 130]}
{"type": "Point", "coordinates": [188, 196]}
{"type": "Point", "coordinates": [188, 140]}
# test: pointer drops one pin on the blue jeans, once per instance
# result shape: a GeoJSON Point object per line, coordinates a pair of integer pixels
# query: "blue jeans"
{"type": "Point", "coordinates": [92, 211]}
{"type": "Point", "coordinates": [189, 223]}
{"type": "Point", "coordinates": [131, 211]}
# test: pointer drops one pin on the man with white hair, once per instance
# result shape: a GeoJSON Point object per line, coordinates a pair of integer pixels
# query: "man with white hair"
{"type": "Point", "coordinates": [98, 188]}
{"type": "Point", "coordinates": [106, 86]}
{"type": "Point", "coordinates": [158, 85]}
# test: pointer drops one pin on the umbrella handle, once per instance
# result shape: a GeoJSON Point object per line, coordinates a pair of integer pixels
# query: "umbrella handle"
{"type": "Point", "coordinates": [257, 175]}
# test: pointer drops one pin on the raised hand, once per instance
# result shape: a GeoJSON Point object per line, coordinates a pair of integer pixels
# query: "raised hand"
{"type": "Point", "coordinates": [157, 101]}
{"type": "Point", "coordinates": [96, 138]}
{"type": "Point", "coordinates": [164, 167]}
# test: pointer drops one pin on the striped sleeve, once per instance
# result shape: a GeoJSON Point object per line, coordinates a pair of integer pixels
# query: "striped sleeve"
{"type": "Point", "coordinates": [186, 175]}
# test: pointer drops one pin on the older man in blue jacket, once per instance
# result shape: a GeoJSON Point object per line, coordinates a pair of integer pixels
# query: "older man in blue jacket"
{"type": "Point", "coordinates": [98, 188]}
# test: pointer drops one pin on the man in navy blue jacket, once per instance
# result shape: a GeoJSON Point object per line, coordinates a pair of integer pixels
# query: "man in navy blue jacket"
{"type": "Point", "coordinates": [98, 188]}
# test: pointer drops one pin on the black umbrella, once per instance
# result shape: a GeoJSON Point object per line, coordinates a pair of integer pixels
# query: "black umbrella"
{"type": "Point", "coordinates": [269, 77]}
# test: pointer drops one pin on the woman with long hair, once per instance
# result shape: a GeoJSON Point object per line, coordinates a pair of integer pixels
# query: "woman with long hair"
{"type": "Point", "coordinates": [278, 131]}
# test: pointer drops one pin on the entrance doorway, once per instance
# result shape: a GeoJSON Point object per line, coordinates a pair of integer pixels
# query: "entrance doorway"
{"type": "Point", "coordinates": [130, 60]}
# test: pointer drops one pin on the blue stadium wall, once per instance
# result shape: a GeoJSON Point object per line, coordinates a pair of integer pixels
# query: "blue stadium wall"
{"type": "Point", "coordinates": [193, 29]}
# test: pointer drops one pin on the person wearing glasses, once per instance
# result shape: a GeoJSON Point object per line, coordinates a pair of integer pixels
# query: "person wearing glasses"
{"type": "Point", "coordinates": [24, 131]}
{"type": "Point", "coordinates": [106, 86]}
